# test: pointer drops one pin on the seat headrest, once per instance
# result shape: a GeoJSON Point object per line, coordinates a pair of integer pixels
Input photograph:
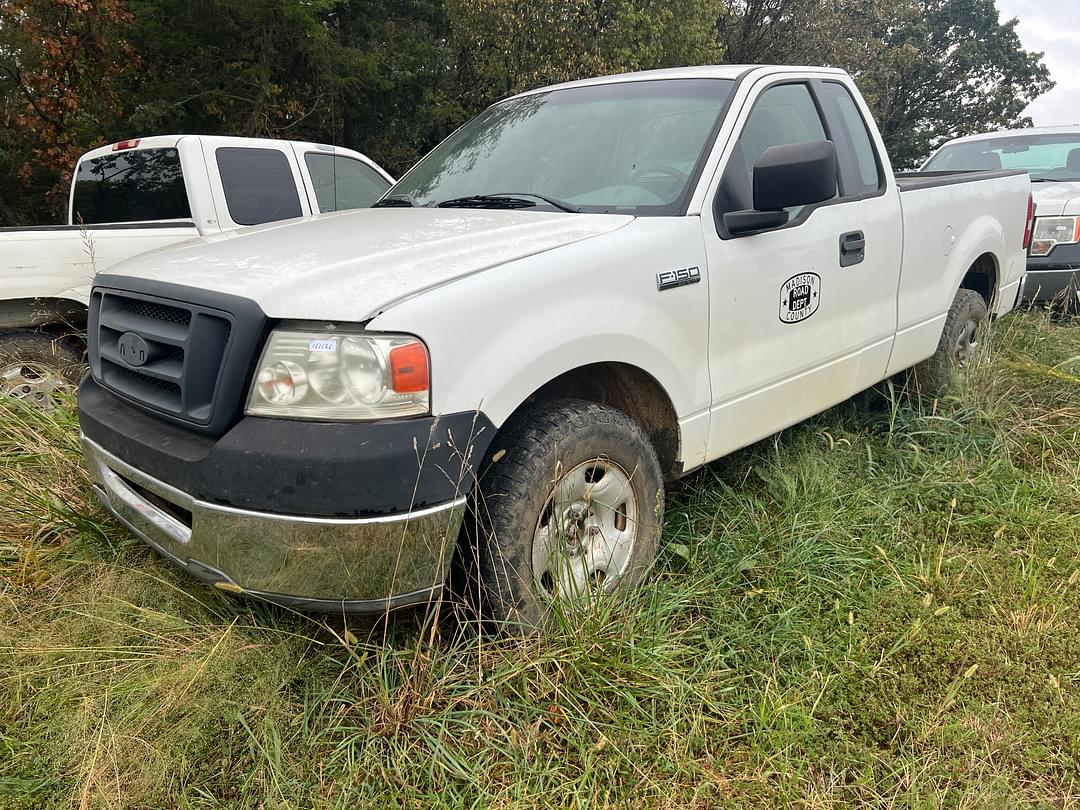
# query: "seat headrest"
{"type": "Point", "coordinates": [986, 161]}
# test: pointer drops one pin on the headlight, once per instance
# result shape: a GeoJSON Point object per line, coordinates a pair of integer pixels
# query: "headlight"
{"type": "Point", "coordinates": [1053, 231]}
{"type": "Point", "coordinates": [340, 375]}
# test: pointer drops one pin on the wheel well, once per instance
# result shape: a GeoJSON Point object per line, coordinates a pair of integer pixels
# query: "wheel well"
{"type": "Point", "coordinates": [631, 390]}
{"type": "Point", "coordinates": [53, 315]}
{"type": "Point", "coordinates": [982, 277]}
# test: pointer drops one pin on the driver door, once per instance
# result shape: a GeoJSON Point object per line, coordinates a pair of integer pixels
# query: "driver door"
{"type": "Point", "coordinates": [792, 331]}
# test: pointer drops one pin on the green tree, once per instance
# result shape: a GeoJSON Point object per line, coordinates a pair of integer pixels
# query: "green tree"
{"type": "Point", "coordinates": [506, 47]}
{"type": "Point", "coordinates": [398, 93]}
{"type": "Point", "coordinates": [952, 69]}
{"type": "Point", "coordinates": [60, 64]}
{"type": "Point", "coordinates": [808, 32]}
{"type": "Point", "coordinates": [232, 66]}
{"type": "Point", "coordinates": [931, 69]}
{"type": "Point", "coordinates": [367, 74]}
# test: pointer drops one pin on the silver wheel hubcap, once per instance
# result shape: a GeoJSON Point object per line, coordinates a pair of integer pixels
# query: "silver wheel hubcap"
{"type": "Point", "coordinates": [968, 343]}
{"type": "Point", "coordinates": [584, 538]}
{"type": "Point", "coordinates": [34, 383]}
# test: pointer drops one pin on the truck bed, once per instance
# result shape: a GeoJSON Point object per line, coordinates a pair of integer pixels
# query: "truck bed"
{"type": "Point", "coordinates": [948, 218]}
{"type": "Point", "coordinates": [915, 181]}
{"type": "Point", "coordinates": [59, 261]}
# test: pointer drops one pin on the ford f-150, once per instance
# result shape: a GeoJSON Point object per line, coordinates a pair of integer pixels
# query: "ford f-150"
{"type": "Point", "coordinates": [585, 292]}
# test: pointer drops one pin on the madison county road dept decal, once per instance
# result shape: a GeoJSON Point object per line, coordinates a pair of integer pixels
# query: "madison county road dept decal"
{"type": "Point", "coordinates": [800, 297]}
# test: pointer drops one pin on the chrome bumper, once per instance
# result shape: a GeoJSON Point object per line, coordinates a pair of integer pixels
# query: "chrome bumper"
{"type": "Point", "coordinates": [320, 564]}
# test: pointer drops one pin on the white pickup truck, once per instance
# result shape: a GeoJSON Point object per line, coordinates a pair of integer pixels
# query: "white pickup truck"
{"type": "Point", "coordinates": [586, 291]}
{"type": "Point", "coordinates": [1051, 155]}
{"type": "Point", "coordinates": [138, 195]}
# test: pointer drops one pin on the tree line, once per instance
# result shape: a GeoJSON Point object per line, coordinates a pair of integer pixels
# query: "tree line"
{"type": "Point", "coordinates": [393, 77]}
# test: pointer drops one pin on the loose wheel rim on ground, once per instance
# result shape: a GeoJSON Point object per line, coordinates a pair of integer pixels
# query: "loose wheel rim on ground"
{"type": "Point", "coordinates": [35, 383]}
{"type": "Point", "coordinates": [585, 534]}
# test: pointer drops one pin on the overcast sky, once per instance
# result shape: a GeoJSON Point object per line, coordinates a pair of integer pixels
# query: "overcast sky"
{"type": "Point", "coordinates": [1053, 27]}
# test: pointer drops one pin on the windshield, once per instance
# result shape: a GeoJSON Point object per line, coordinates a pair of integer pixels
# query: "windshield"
{"type": "Point", "coordinates": [627, 147]}
{"type": "Point", "coordinates": [1046, 157]}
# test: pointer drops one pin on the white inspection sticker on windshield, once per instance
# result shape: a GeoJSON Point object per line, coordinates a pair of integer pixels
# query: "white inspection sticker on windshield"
{"type": "Point", "coordinates": [322, 345]}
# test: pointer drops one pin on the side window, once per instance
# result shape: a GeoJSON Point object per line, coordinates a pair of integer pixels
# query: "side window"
{"type": "Point", "coordinates": [783, 114]}
{"type": "Point", "coordinates": [259, 185]}
{"type": "Point", "coordinates": [859, 170]}
{"type": "Point", "coordinates": [343, 183]}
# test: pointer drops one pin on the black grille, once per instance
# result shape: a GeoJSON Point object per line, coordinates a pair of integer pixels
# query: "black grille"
{"type": "Point", "coordinates": [167, 357]}
{"type": "Point", "coordinates": [157, 312]}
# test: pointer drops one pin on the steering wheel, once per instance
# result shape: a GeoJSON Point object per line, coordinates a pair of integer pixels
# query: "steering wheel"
{"type": "Point", "coordinates": [666, 169]}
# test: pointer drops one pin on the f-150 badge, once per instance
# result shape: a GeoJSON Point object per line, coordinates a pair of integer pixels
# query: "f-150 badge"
{"type": "Point", "coordinates": [677, 278]}
{"type": "Point", "coordinates": [800, 297]}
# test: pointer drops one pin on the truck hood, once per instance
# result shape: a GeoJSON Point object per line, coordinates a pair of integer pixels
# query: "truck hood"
{"type": "Point", "coordinates": [352, 265]}
{"type": "Point", "coordinates": [1055, 199]}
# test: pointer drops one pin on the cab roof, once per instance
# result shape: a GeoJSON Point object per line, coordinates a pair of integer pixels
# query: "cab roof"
{"type": "Point", "coordinates": [730, 72]}
{"type": "Point", "coordinates": [171, 141]}
{"type": "Point", "coordinates": [1007, 133]}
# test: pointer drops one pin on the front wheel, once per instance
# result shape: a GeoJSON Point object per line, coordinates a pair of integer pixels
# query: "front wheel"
{"type": "Point", "coordinates": [570, 505]}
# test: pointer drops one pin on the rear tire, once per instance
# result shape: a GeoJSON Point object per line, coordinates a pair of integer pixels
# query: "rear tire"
{"type": "Point", "coordinates": [570, 503]}
{"type": "Point", "coordinates": [958, 347]}
{"type": "Point", "coordinates": [35, 367]}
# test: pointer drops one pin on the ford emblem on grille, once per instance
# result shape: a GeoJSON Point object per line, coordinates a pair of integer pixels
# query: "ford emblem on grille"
{"type": "Point", "coordinates": [133, 349]}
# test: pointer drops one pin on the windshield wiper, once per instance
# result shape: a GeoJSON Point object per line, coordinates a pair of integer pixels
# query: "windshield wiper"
{"type": "Point", "coordinates": [397, 201]}
{"type": "Point", "coordinates": [507, 199]}
{"type": "Point", "coordinates": [1055, 179]}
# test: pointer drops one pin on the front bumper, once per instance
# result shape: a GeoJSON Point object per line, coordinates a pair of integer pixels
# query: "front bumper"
{"type": "Point", "coordinates": [319, 564]}
{"type": "Point", "coordinates": [1054, 278]}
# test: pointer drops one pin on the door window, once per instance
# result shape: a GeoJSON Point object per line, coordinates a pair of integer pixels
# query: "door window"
{"type": "Point", "coordinates": [259, 185]}
{"type": "Point", "coordinates": [783, 114]}
{"type": "Point", "coordinates": [343, 183]}
{"type": "Point", "coordinates": [859, 170]}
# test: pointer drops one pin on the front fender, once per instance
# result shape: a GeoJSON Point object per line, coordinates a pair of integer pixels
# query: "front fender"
{"type": "Point", "coordinates": [497, 337]}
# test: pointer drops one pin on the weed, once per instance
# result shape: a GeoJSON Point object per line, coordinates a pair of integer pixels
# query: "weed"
{"type": "Point", "coordinates": [879, 606]}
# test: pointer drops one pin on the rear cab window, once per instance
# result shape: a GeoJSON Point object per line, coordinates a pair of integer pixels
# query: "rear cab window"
{"type": "Point", "coordinates": [259, 185]}
{"type": "Point", "coordinates": [344, 183]}
{"type": "Point", "coordinates": [140, 185]}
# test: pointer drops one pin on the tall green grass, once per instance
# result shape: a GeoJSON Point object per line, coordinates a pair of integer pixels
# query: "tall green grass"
{"type": "Point", "coordinates": [879, 606]}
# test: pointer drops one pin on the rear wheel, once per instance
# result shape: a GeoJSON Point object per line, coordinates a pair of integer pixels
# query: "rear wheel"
{"type": "Point", "coordinates": [959, 346]}
{"type": "Point", "coordinates": [35, 367]}
{"type": "Point", "coordinates": [570, 506]}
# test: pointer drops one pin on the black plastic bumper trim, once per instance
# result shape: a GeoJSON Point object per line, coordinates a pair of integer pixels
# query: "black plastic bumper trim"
{"type": "Point", "coordinates": [314, 469]}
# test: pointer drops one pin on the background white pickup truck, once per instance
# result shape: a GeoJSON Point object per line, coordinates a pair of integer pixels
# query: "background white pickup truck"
{"type": "Point", "coordinates": [1051, 155]}
{"type": "Point", "coordinates": [138, 195]}
{"type": "Point", "coordinates": [586, 291]}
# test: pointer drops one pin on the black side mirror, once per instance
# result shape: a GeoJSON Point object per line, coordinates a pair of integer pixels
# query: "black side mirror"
{"type": "Point", "coordinates": [786, 177]}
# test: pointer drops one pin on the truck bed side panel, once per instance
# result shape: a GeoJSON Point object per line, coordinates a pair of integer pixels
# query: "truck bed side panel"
{"type": "Point", "coordinates": [60, 262]}
{"type": "Point", "coordinates": [949, 223]}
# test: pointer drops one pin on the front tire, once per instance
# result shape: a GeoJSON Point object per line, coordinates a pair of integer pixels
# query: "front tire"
{"type": "Point", "coordinates": [570, 504]}
{"type": "Point", "coordinates": [959, 346]}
